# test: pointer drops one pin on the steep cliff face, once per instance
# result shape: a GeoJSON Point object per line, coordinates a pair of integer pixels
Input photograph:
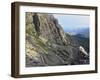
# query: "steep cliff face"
{"type": "Point", "coordinates": [46, 42]}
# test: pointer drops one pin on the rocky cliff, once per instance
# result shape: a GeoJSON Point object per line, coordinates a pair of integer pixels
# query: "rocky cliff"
{"type": "Point", "coordinates": [47, 44]}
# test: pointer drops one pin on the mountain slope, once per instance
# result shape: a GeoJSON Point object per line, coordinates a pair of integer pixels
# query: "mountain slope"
{"type": "Point", "coordinates": [46, 42]}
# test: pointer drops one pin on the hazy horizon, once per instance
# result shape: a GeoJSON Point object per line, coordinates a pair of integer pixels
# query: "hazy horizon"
{"type": "Point", "coordinates": [73, 23]}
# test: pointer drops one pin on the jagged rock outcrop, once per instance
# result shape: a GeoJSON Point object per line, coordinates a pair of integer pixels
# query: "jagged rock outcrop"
{"type": "Point", "coordinates": [46, 42]}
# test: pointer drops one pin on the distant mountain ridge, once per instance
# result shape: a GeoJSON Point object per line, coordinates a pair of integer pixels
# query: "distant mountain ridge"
{"type": "Point", "coordinates": [81, 31]}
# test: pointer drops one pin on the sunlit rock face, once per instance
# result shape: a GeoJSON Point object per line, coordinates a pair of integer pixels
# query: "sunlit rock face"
{"type": "Point", "coordinates": [47, 44]}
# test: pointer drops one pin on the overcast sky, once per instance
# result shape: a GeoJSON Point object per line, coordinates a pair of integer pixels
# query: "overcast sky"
{"type": "Point", "coordinates": [71, 22]}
